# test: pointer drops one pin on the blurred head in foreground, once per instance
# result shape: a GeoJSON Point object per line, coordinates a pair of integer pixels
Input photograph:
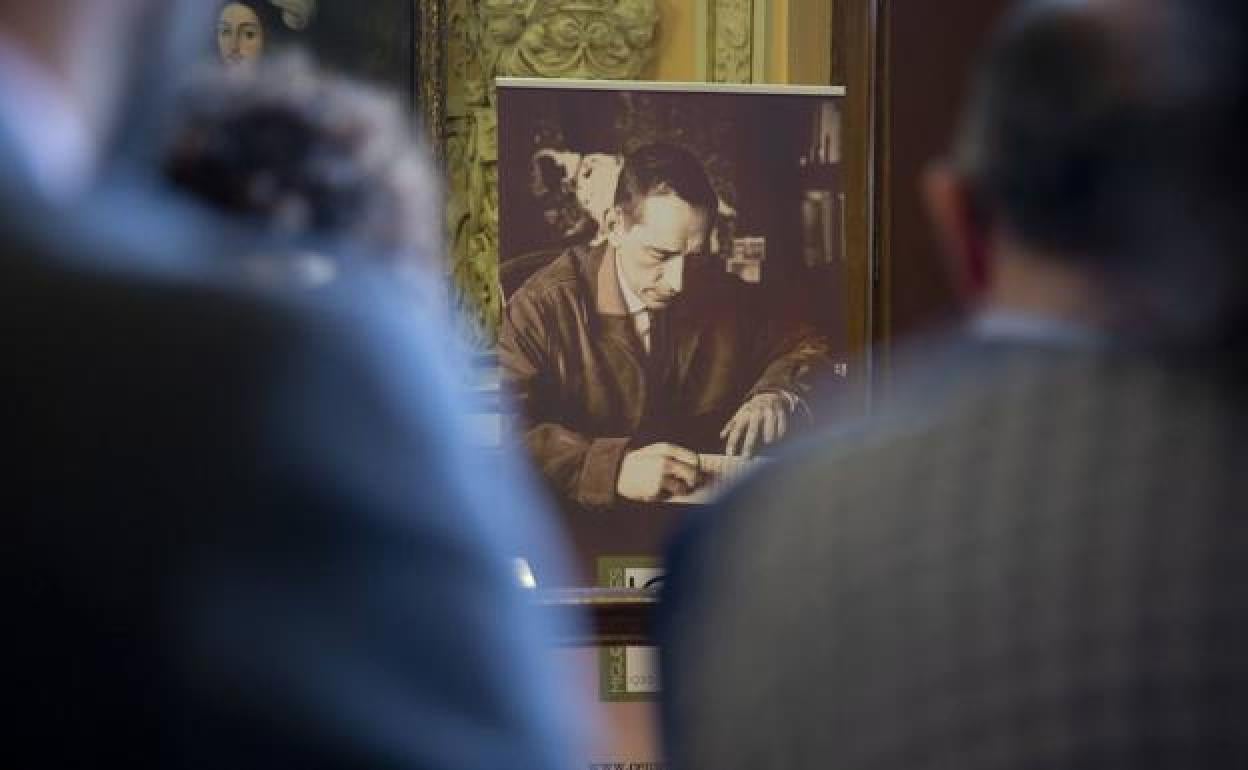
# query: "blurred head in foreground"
{"type": "Point", "coordinates": [1101, 173]}
{"type": "Point", "coordinates": [309, 156]}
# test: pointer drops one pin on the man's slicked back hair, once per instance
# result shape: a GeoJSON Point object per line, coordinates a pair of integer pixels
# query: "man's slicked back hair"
{"type": "Point", "coordinates": [664, 169]}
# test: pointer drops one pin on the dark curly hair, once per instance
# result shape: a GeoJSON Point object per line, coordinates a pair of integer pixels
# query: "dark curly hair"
{"type": "Point", "coordinates": [662, 168]}
{"type": "Point", "coordinates": [309, 154]}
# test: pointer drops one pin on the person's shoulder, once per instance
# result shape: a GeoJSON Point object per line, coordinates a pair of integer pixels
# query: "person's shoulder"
{"type": "Point", "coordinates": [107, 302]}
{"type": "Point", "coordinates": [564, 275]}
{"type": "Point", "coordinates": [1001, 435]}
{"type": "Point", "coordinates": [189, 330]}
{"type": "Point", "coordinates": [831, 478]}
{"type": "Point", "coordinates": [564, 270]}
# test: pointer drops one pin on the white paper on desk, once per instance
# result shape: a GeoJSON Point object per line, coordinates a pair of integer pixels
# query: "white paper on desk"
{"type": "Point", "coordinates": [703, 495]}
{"type": "Point", "coordinates": [720, 473]}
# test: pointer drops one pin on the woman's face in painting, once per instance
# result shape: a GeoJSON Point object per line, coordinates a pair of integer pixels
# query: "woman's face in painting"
{"type": "Point", "coordinates": [240, 35]}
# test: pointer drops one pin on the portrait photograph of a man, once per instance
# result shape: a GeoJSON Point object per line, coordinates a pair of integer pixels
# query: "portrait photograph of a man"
{"type": "Point", "coordinates": [672, 268]}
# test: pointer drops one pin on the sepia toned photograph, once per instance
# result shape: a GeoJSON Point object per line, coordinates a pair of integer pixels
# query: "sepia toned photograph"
{"type": "Point", "coordinates": [672, 261]}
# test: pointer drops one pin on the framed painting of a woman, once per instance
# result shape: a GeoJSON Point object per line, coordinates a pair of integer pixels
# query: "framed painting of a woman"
{"type": "Point", "coordinates": [246, 29]}
{"type": "Point", "coordinates": [378, 41]}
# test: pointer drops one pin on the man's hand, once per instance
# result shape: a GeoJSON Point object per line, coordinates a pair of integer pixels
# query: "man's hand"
{"type": "Point", "coordinates": [658, 472]}
{"type": "Point", "coordinates": [764, 418]}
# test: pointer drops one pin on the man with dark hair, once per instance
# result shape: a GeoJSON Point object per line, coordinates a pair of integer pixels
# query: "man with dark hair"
{"type": "Point", "coordinates": [1091, 155]}
{"type": "Point", "coordinates": [632, 358]}
{"type": "Point", "coordinates": [1035, 556]}
{"type": "Point", "coordinates": [662, 169]}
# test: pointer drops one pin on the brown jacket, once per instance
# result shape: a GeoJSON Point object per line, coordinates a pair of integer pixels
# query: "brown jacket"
{"type": "Point", "coordinates": [588, 391]}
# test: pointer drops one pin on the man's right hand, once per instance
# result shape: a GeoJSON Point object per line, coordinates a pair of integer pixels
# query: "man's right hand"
{"type": "Point", "coordinates": [658, 472]}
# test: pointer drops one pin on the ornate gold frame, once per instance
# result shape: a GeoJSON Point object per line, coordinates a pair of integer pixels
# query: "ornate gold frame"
{"type": "Point", "coordinates": [462, 47]}
{"type": "Point", "coordinates": [733, 38]}
{"type": "Point", "coordinates": [429, 75]}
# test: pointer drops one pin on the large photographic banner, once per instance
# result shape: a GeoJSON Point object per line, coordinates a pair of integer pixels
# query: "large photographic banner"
{"type": "Point", "coordinates": [673, 269]}
{"type": "Point", "coordinates": [657, 346]}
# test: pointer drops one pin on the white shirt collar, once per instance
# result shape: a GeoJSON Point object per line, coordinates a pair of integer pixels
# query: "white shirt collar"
{"type": "Point", "coordinates": [49, 132]}
{"type": "Point", "coordinates": [1013, 326]}
{"type": "Point", "coordinates": [631, 300]}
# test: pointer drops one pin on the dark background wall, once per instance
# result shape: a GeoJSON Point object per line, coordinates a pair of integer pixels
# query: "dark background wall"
{"type": "Point", "coordinates": [927, 52]}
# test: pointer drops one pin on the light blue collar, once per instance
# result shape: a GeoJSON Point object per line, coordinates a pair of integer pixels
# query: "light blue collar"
{"type": "Point", "coordinates": [1007, 326]}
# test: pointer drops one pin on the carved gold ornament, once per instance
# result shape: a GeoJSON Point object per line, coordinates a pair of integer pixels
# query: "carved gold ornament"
{"type": "Point", "coordinates": [585, 39]}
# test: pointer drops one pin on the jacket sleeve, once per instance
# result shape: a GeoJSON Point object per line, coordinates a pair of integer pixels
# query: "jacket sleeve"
{"type": "Point", "coordinates": [792, 356]}
{"type": "Point", "coordinates": [581, 468]}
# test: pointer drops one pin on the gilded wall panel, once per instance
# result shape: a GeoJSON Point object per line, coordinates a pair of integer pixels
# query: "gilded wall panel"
{"type": "Point", "coordinates": [733, 35]}
{"type": "Point", "coordinates": [584, 39]}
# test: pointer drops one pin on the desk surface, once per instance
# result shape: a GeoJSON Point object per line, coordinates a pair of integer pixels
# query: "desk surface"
{"type": "Point", "coordinates": [618, 616]}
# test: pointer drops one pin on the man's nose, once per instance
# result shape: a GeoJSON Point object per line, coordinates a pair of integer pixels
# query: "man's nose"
{"type": "Point", "coordinates": [674, 274]}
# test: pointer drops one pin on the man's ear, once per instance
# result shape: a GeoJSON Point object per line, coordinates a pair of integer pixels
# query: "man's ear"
{"type": "Point", "coordinates": [963, 231]}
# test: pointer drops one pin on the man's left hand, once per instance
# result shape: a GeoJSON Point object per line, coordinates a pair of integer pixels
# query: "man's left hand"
{"type": "Point", "coordinates": [764, 418]}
